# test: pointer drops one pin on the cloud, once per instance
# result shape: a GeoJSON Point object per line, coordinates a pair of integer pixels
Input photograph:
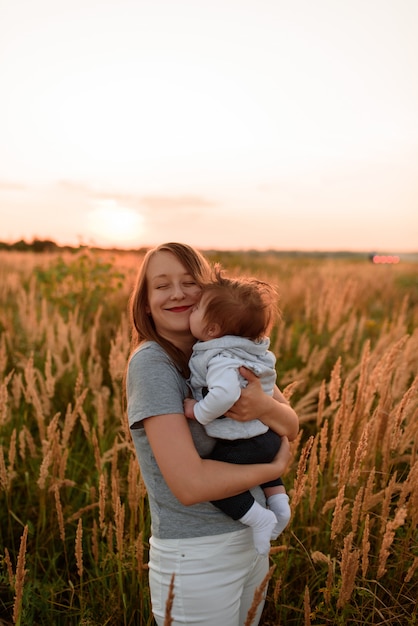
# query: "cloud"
{"type": "Point", "coordinates": [6, 185]}
{"type": "Point", "coordinates": [146, 204]}
{"type": "Point", "coordinates": [162, 203]}
{"type": "Point", "coordinates": [98, 194]}
{"type": "Point", "coordinates": [41, 211]}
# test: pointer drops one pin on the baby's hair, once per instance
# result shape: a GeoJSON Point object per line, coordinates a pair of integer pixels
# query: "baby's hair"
{"type": "Point", "coordinates": [243, 306]}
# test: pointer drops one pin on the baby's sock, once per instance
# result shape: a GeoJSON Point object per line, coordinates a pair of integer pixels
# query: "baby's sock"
{"type": "Point", "coordinates": [279, 504]}
{"type": "Point", "coordinates": [262, 522]}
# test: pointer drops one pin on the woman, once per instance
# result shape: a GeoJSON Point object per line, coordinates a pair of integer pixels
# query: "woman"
{"type": "Point", "coordinates": [213, 558]}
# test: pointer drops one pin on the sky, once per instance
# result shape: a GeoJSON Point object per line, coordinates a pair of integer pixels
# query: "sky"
{"type": "Point", "coordinates": [229, 124]}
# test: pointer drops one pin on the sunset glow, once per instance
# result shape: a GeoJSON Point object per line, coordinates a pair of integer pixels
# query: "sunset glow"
{"type": "Point", "coordinates": [223, 124]}
{"type": "Point", "coordinates": [113, 224]}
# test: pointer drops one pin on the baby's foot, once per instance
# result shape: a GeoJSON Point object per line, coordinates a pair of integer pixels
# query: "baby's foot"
{"type": "Point", "coordinates": [262, 532]}
{"type": "Point", "coordinates": [279, 504]}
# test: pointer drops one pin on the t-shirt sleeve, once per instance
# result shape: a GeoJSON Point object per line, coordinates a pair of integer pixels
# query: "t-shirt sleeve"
{"type": "Point", "coordinates": [154, 386]}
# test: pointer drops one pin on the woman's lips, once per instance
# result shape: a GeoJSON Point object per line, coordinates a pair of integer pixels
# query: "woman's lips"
{"type": "Point", "coordinates": [180, 309]}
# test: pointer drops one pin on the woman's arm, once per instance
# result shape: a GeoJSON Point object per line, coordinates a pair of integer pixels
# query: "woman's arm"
{"type": "Point", "coordinates": [274, 411]}
{"type": "Point", "coordinates": [192, 479]}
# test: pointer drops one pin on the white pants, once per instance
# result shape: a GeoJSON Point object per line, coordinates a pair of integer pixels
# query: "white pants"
{"type": "Point", "coordinates": [215, 578]}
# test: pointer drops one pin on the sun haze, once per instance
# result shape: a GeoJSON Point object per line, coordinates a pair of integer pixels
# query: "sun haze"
{"type": "Point", "coordinates": [256, 124]}
{"type": "Point", "coordinates": [113, 224]}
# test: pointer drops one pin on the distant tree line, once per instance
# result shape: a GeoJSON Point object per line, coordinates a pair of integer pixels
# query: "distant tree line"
{"type": "Point", "coordinates": [47, 245]}
{"type": "Point", "coordinates": [37, 245]}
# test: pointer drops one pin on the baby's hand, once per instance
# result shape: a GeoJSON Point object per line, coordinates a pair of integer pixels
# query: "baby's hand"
{"type": "Point", "coordinates": [188, 408]}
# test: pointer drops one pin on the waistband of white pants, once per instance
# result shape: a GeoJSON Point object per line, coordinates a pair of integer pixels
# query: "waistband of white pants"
{"type": "Point", "coordinates": [206, 540]}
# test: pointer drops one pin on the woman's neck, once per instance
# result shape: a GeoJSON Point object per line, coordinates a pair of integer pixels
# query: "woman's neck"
{"type": "Point", "coordinates": [184, 343]}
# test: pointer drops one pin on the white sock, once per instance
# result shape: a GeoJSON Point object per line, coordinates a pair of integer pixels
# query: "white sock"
{"type": "Point", "coordinates": [279, 504]}
{"type": "Point", "coordinates": [262, 522]}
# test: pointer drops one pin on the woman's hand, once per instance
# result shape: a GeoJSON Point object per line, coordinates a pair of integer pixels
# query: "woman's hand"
{"type": "Point", "coordinates": [283, 457]}
{"type": "Point", "coordinates": [188, 404]}
{"type": "Point", "coordinates": [274, 411]}
{"type": "Point", "coordinates": [251, 400]}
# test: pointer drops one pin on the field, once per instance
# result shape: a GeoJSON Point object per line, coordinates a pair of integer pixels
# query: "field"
{"type": "Point", "coordinates": [73, 508]}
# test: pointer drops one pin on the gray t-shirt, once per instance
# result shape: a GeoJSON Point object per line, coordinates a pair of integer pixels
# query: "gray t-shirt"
{"type": "Point", "coordinates": [156, 387]}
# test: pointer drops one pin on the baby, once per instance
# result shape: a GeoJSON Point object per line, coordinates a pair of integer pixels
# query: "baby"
{"type": "Point", "coordinates": [231, 322]}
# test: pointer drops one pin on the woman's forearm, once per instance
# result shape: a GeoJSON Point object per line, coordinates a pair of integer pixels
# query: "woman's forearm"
{"type": "Point", "coordinates": [218, 480]}
{"type": "Point", "coordinates": [278, 415]}
{"type": "Point", "coordinates": [193, 479]}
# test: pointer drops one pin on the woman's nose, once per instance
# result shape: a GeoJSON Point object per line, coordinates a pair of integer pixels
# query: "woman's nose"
{"type": "Point", "coordinates": [177, 292]}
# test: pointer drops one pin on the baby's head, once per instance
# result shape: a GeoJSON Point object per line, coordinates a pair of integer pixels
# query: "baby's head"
{"type": "Point", "coordinates": [245, 307]}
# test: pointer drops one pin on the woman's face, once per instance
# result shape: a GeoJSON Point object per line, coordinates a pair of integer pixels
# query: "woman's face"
{"type": "Point", "coordinates": [172, 293]}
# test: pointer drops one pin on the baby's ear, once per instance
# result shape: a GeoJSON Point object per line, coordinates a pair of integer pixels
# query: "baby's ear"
{"type": "Point", "coordinates": [214, 330]}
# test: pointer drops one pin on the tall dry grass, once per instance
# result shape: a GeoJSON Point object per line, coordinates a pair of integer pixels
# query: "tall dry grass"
{"type": "Point", "coordinates": [73, 508]}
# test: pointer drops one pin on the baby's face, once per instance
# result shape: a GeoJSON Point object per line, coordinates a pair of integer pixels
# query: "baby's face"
{"type": "Point", "coordinates": [198, 326]}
